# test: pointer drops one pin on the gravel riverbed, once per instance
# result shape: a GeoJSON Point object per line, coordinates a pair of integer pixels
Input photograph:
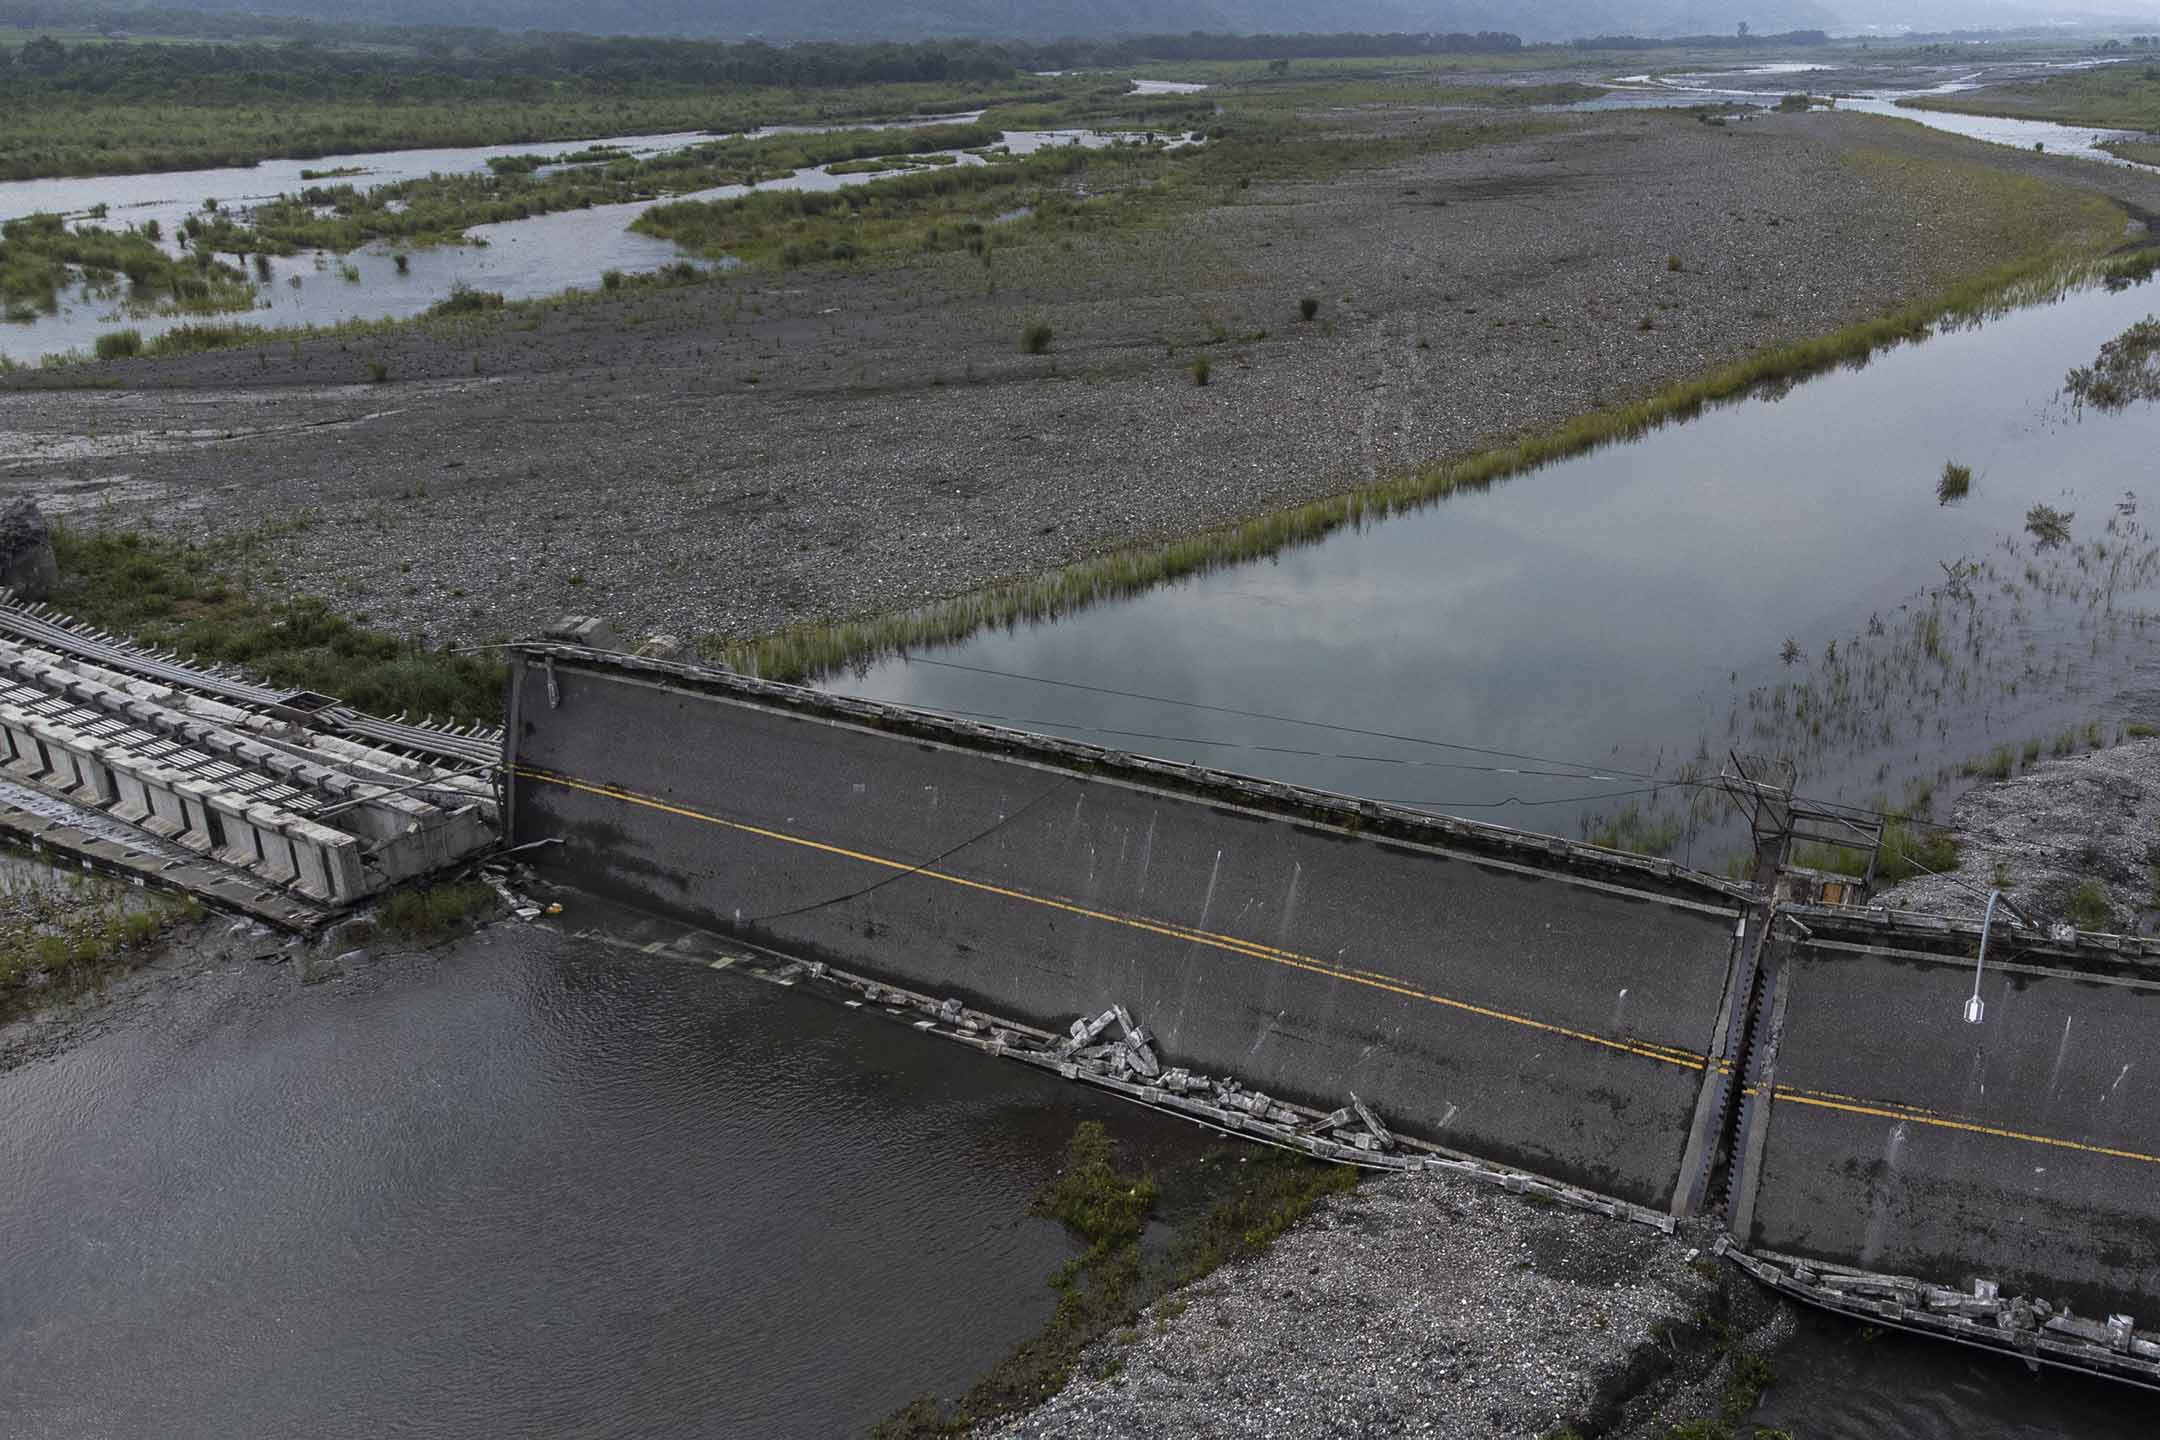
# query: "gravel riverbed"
{"type": "Point", "coordinates": [1426, 1306]}
{"type": "Point", "coordinates": [2088, 820]}
{"type": "Point", "coordinates": [724, 459]}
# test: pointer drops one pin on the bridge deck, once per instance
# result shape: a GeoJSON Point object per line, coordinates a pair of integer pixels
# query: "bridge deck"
{"type": "Point", "coordinates": [2024, 1149]}
{"type": "Point", "coordinates": [1546, 1020]}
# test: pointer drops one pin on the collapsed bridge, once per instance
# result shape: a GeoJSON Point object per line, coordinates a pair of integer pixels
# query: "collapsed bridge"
{"type": "Point", "coordinates": [1593, 1022]}
{"type": "Point", "coordinates": [1611, 1031]}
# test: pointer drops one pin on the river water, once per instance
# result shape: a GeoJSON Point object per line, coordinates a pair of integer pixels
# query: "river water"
{"type": "Point", "coordinates": [529, 1187]}
{"type": "Point", "coordinates": [520, 259]}
{"type": "Point", "coordinates": [1628, 611]}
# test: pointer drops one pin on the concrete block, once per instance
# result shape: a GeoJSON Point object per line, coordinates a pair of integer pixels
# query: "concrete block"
{"type": "Point", "coordinates": [131, 802]}
{"type": "Point", "coordinates": [194, 799]}
{"type": "Point", "coordinates": [276, 863]}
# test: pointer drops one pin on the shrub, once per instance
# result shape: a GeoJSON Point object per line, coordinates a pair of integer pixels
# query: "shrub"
{"type": "Point", "coordinates": [404, 264]}
{"type": "Point", "coordinates": [1201, 369]}
{"type": "Point", "coordinates": [377, 371]}
{"type": "Point", "coordinates": [1035, 339]}
{"type": "Point", "coordinates": [1308, 307]}
{"type": "Point", "coordinates": [2048, 526]}
{"type": "Point", "coordinates": [119, 344]}
{"type": "Point", "coordinates": [464, 300]}
{"type": "Point", "coordinates": [1956, 480]}
{"type": "Point", "coordinates": [611, 279]}
{"type": "Point", "coordinates": [437, 910]}
{"type": "Point", "coordinates": [1672, 264]}
{"type": "Point", "coordinates": [1793, 102]}
{"type": "Point", "coordinates": [2087, 906]}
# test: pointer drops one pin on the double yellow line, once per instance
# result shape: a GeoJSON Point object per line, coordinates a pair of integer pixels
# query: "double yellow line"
{"type": "Point", "coordinates": [1253, 949]}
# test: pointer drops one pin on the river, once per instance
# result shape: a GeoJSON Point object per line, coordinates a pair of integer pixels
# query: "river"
{"type": "Point", "coordinates": [530, 1186]}
{"type": "Point", "coordinates": [519, 259]}
{"type": "Point", "coordinates": [1778, 575]}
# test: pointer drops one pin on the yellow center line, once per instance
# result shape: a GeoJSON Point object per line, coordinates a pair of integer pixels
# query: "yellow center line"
{"type": "Point", "coordinates": [1888, 1111]}
{"type": "Point", "coordinates": [1819, 1099]}
{"type": "Point", "coordinates": [1290, 959]}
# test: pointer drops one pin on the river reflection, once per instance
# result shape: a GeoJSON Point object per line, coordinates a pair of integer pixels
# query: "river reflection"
{"type": "Point", "coordinates": [1628, 611]}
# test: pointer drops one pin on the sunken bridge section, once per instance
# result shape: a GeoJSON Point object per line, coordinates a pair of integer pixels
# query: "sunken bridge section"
{"type": "Point", "coordinates": [1406, 990]}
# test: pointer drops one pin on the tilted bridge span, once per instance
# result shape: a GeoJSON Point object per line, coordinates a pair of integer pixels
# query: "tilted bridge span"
{"type": "Point", "coordinates": [1390, 987]}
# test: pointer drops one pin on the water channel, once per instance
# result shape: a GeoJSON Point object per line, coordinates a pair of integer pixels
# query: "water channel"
{"type": "Point", "coordinates": [519, 259]}
{"type": "Point", "coordinates": [1628, 612]}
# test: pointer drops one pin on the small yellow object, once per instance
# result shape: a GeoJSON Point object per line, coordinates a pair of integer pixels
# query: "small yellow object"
{"type": "Point", "coordinates": [554, 909]}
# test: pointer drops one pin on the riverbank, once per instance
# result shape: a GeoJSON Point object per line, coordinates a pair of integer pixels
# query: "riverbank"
{"type": "Point", "coordinates": [1427, 1306]}
{"type": "Point", "coordinates": [2071, 839]}
{"type": "Point", "coordinates": [725, 460]}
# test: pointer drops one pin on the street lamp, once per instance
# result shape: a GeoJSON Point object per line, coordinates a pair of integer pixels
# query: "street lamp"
{"type": "Point", "coordinates": [1975, 1008]}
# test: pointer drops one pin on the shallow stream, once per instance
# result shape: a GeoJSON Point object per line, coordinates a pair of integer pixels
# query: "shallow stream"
{"type": "Point", "coordinates": [1779, 575]}
{"type": "Point", "coordinates": [519, 259]}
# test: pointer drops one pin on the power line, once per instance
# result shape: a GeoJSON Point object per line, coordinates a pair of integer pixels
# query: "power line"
{"type": "Point", "coordinates": [1280, 719]}
{"type": "Point", "coordinates": [1575, 770]}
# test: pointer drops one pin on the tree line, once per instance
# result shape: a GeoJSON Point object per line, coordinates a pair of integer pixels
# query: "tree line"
{"type": "Point", "coordinates": [463, 62]}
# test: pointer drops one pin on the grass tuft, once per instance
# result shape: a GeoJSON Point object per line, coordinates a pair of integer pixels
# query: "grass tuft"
{"type": "Point", "coordinates": [119, 344]}
{"type": "Point", "coordinates": [435, 912]}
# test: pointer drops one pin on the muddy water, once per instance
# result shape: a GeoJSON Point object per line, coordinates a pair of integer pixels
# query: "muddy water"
{"type": "Point", "coordinates": [531, 1187]}
{"type": "Point", "coordinates": [520, 259]}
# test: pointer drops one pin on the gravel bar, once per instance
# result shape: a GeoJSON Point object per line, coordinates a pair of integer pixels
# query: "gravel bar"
{"type": "Point", "coordinates": [725, 459]}
{"type": "Point", "coordinates": [1423, 1306]}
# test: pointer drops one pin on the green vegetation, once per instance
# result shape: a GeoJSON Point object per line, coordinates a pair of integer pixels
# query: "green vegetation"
{"type": "Point", "coordinates": [1202, 368]}
{"type": "Point", "coordinates": [119, 344]}
{"type": "Point", "coordinates": [2119, 97]}
{"type": "Point", "coordinates": [217, 607]}
{"type": "Point", "coordinates": [440, 208]}
{"type": "Point", "coordinates": [1634, 829]}
{"type": "Point", "coordinates": [2127, 370]}
{"type": "Point", "coordinates": [1232, 1204]}
{"type": "Point", "coordinates": [1910, 847]}
{"type": "Point", "coordinates": [2087, 907]}
{"type": "Point", "coordinates": [2048, 526]}
{"type": "Point", "coordinates": [464, 300]}
{"type": "Point", "coordinates": [1308, 307]}
{"type": "Point", "coordinates": [1035, 338]}
{"type": "Point", "coordinates": [2141, 152]}
{"type": "Point", "coordinates": [1956, 481]}
{"type": "Point", "coordinates": [63, 933]}
{"type": "Point", "coordinates": [39, 256]}
{"type": "Point", "coordinates": [436, 912]}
